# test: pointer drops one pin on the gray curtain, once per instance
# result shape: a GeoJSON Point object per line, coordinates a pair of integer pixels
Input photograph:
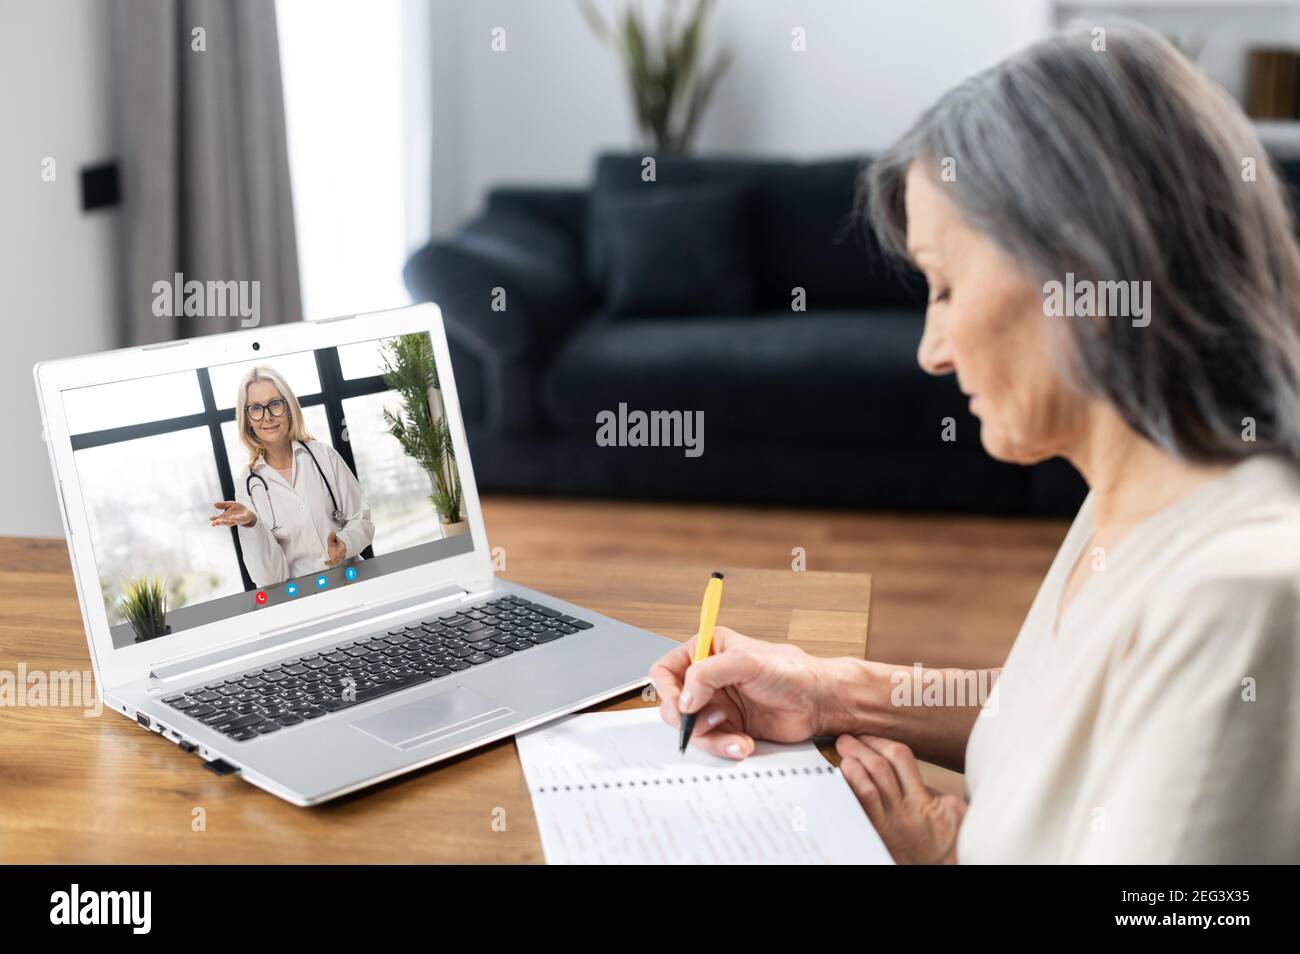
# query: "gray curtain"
{"type": "Point", "coordinates": [205, 165]}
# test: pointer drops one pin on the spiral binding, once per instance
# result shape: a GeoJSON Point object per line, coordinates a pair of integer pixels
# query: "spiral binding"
{"type": "Point", "coordinates": [683, 779]}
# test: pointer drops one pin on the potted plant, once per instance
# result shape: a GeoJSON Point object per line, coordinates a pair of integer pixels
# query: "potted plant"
{"type": "Point", "coordinates": [144, 604]}
{"type": "Point", "coordinates": [669, 80]}
{"type": "Point", "coordinates": [421, 427]}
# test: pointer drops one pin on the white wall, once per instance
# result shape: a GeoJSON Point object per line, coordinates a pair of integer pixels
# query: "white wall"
{"type": "Point", "coordinates": [541, 110]}
{"type": "Point", "coordinates": [58, 289]}
{"type": "Point", "coordinates": [1224, 31]}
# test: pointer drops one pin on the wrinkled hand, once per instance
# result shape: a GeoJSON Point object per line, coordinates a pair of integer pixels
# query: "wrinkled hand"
{"type": "Point", "coordinates": [917, 824]}
{"type": "Point", "coordinates": [338, 550]}
{"type": "Point", "coordinates": [232, 515]}
{"type": "Point", "coordinates": [748, 689]}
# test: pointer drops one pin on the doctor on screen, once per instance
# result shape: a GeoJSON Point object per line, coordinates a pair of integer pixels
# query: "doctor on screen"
{"type": "Point", "coordinates": [298, 506]}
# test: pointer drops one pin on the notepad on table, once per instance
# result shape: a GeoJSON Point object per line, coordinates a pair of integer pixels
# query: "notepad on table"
{"type": "Point", "coordinates": [610, 788]}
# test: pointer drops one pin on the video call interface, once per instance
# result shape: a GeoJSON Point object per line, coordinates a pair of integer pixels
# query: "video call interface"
{"type": "Point", "coordinates": [224, 490]}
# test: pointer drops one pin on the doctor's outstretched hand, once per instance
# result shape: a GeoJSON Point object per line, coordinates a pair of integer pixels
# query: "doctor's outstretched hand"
{"type": "Point", "coordinates": [747, 690]}
{"type": "Point", "coordinates": [232, 515]}
{"type": "Point", "coordinates": [338, 550]}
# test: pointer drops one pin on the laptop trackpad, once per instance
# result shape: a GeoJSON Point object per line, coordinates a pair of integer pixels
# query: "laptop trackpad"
{"type": "Point", "coordinates": [433, 718]}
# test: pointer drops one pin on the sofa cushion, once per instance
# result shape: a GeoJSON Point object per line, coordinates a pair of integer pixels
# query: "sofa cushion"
{"type": "Point", "coordinates": [838, 376]}
{"type": "Point", "coordinates": [805, 232]}
{"type": "Point", "coordinates": [674, 250]}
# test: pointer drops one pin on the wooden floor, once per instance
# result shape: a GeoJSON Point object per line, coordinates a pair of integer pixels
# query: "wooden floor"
{"type": "Point", "coordinates": [947, 591]}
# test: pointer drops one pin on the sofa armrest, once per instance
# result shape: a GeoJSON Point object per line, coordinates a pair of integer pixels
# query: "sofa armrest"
{"type": "Point", "coordinates": [511, 289]}
{"type": "Point", "coordinates": [564, 209]}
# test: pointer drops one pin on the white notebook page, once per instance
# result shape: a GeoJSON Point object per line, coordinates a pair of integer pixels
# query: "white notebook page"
{"type": "Point", "coordinates": [610, 788]}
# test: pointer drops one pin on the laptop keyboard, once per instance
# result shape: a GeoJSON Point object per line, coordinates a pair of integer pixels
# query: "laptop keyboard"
{"type": "Point", "coordinates": [295, 691]}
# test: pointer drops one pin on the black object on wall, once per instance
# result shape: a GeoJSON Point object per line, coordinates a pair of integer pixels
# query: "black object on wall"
{"type": "Point", "coordinates": [101, 186]}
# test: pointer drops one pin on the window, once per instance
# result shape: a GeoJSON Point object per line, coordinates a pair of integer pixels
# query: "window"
{"type": "Point", "coordinates": [123, 403]}
{"type": "Point", "coordinates": [361, 360]}
{"type": "Point", "coordinates": [342, 64]}
{"type": "Point", "coordinates": [396, 486]}
{"type": "Point", "coordinates": [148, 501]}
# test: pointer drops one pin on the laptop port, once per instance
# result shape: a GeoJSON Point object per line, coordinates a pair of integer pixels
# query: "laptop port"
{"type": "Point", "coordinates": [142, 719]}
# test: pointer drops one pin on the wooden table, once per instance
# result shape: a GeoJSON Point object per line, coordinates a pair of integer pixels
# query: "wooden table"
{"type": "Point", "coordinates": [100, 790]}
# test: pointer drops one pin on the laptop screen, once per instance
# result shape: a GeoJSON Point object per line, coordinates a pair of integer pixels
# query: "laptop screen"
{"type": "Point", "coordinates": [221, 490]}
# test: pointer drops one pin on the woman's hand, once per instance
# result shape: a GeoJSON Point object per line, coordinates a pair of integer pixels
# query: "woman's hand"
{"type": "Point", "coordinates": [917, 824]}
{"type": "Point", "coordinates": [338, 550]}
{"type": "Point", "coordinates": [232, 515]}
{"type": "Point", "coordinates": [748, 689]}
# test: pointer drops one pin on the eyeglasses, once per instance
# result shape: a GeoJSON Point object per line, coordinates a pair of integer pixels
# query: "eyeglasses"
{"type": "Point", "coordinates": [256, 412]}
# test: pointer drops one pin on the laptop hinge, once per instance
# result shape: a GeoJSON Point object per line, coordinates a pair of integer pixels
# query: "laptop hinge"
{"type": "Point", "coordinates": [283, 638]}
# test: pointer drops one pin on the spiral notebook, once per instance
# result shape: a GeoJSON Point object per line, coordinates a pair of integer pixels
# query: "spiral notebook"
{"type": "Point", "coordinates": [610, 788]}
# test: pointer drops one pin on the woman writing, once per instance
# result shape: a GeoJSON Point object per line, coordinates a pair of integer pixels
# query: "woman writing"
{"type": "Point", "coordinates": [1148, 708]}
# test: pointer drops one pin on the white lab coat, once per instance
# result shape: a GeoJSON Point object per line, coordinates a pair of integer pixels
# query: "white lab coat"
{"type": "Point", "coordinates": [298, 546]}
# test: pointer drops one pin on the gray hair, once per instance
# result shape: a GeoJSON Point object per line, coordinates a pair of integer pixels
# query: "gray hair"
{"type": "Point", "coordinates": [1123, 164]}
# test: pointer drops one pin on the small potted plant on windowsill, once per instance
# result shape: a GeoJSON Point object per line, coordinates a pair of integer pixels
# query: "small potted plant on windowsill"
{"type": "Point", "coordinates": [144, 604]}
{"type": "Point", "coordinates": [421, 426]}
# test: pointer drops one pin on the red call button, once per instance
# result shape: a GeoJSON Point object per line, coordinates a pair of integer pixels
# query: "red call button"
{"type": "Point", "coordinates": [261, 597]}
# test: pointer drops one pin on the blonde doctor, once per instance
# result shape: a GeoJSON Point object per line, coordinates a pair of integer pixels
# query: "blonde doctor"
{"type": "Point", "coordinates": [298, 506]}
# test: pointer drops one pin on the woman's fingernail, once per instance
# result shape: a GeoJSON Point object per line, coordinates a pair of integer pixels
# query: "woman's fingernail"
{"type": "Point", "coordinates": [734, 750]}
{"type": "Point", "coordinates": [684, 700]}
{"type": "Point", "coordinates": [714, 718]}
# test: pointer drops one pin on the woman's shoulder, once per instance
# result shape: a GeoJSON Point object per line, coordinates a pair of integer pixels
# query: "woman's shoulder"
{"type": "Point", "coordinates": [319, 447]}
{"type": "Point", "coordinates": [1243, 553]}
{"type": "Point", "coordinates": [1255, 528]}
{"type": "Point", "coordinates": [323, 452]}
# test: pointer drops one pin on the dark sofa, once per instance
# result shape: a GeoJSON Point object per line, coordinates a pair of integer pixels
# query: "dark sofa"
{"type": "Point", "coordinates": [677, 294]}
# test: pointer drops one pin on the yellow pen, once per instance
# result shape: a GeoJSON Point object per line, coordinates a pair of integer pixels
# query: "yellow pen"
{"type": "Point", "coordinates": [703, 643]}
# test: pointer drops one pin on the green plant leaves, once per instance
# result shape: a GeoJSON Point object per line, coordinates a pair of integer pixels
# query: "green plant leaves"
{"type": "Point", "coordinates": [669, 84]}
{"type": "Point", "coordinates": [144, 604]}
{"type": "Point", "coordinates": [410, 370]}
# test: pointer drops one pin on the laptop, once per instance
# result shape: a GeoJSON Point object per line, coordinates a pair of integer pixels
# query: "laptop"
{"type": "Point", "coordinates": [359, 633]}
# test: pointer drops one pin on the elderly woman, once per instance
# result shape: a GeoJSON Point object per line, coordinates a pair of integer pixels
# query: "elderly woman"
{"type": "Point", "coordinates": [1149, 709]}
{"type": "Point", "coordinates": [298, 506]}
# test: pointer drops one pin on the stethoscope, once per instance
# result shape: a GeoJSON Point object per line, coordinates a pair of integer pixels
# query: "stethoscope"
{"type": "Point", "coordinates": [266, 489]}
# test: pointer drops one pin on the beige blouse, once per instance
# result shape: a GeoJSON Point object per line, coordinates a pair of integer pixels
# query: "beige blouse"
{"type": "Point", "coordinates": [1159, 719]}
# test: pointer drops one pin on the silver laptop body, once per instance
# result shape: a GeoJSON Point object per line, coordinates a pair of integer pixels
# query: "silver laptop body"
{"type": "Point", "coordinates": [401, 606]}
